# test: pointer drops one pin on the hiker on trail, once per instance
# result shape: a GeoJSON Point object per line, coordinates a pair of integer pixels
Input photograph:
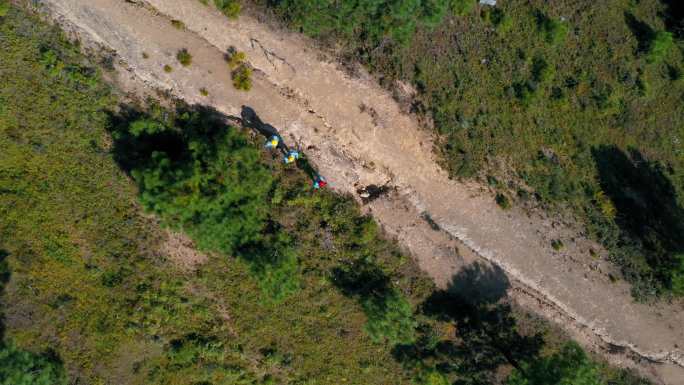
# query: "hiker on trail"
{"type": "Point", "coordinates": [273, 142]}
{"type": "Point", "coordinates": [291, 157]}
{"type": "Point", "coordinates": [319, 182]}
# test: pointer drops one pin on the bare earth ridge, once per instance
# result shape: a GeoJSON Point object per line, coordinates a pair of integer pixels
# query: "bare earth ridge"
{"type": "Point", "coordinates": [357, 135]}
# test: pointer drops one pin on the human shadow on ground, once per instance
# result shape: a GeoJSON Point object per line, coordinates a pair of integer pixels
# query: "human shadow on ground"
{"type": "Point", "coordinates": [648, 214]}
{"type": "Point", "coordinates": [484, 336]}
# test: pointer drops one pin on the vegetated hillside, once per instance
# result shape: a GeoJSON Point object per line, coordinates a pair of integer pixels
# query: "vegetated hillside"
{"type": "Point", "coordinates": [574, 105]}
{"type": "Point", "coordinates": [297, 288]}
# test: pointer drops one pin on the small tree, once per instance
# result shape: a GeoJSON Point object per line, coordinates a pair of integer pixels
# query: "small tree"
{"type": "Point", "coordinates": [19, 367]}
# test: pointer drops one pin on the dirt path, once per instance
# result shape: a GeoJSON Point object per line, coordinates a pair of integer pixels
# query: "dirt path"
{"type": "Point", "coordinates": [357, 135]}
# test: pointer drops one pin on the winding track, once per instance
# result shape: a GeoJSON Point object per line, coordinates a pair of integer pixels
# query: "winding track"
{"type": "Point", "coordinates": [357, 135]}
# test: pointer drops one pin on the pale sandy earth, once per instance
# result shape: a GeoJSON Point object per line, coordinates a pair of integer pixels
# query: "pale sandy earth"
{"type": "Point", "coordinates": [317, 105]}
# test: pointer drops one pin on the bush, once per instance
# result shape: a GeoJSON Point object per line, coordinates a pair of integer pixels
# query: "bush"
{"type": "Point", "coordinates": [553, 31]}
{"type": "Point", "coordinates": [390, 318]}
{"type": "Point", "coordinates": [570, 366]}
{"type": "Point", "coordinates": [168, 68]}
{"type": "Point", "coordinates": [677, 281]}
{"type": "Point", "coordinates": [242, 78]}
{"type": "Point", "coordinates": [184, 57]}
{"type": "Point", "coordinates": [230, 8]}
{"type": "Point", "coordinates": [19, 367]}
{"type": "Point", "coordinates": [462, 7]}
{"type": "Point", "coordinates": [503, 201]}
{"type": "Point", "coordinates": [4, 7]}
{"type": "Point", "coordinates": [660, 45]}
{"type": "Point", "coordinates": [235, 58]}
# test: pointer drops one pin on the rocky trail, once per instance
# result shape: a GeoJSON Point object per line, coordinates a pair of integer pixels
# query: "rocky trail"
{"type": "Point", "coordinates": [361, 140]}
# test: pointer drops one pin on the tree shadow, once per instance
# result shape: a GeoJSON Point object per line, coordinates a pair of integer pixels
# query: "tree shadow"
{"type": "Point", "coordinates": [485, 335]}
{"type": "Point", "coordinates": [673, 16]}
{"type": "Point", "coordinates": [647, 210]}
{"type": "Point", "coordinates": [641, 31]}
{"type": "Point", "coordinates": [162, 133]}
{"type": "Point", "coordinates": [361, 278]}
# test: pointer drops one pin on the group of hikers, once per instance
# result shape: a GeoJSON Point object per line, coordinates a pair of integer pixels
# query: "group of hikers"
{"type": "Point", "coordinates": [275, 142]}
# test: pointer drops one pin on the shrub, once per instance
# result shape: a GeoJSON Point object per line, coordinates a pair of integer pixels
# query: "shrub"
{"type": "Point", "coordinates": [19, 367]}
{"type": "Point", "coordinates": [431, 377]}
{"type": "Point", "coordinates": [230, 8]}
{"type": "Point", "coordinates": [503, 201]}
{"type": "Point", "coordinates": [660, 45]}
{"type": "Point", "coordinates": [242, 78]}
{"type": "Point", "coordinates": [184, 57]}
{"type": "Point", "coordinates": [553, 31]}
{"type": "Point", "coordinates": [203, 91]}
{"type": "Point", "coordinates": [390, 318]}
{"type": "Point", "coordinates": [557, 244]}
{"type": "Point", "coordinates": [235, 58]}
{"type": "Point", "coordinates": [4, 7]}
{"type": "Point", "coordinates": [168, 68]}
{"type": "Point", "coordinates": [570, 366]}
{"type": "Point", "coordinates": [677, 284]}
{"type": "Point", "coordinates": [462, 7]}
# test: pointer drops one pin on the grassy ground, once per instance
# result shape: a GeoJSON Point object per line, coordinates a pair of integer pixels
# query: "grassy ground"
{"type": "Point", "coordinates": [575, 106]}
{"type": "Point", "coordinates": [89, 288]}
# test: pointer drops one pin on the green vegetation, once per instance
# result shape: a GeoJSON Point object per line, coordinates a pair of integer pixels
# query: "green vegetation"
{"type": "Point", "coordinates": [230, 8]}
{"type": "Point", "coordinates": [168, 68]}
{"type": "Point", "coordinates": [542, 95]}
{"type": "Point", "coordinates": [241, 73]}
{"type": "Point", "coordinates": [204, 91]}
{"type": "Point", "coordinates": [184, 57]}
{"type": "Point", "coordinates": [18, 367]}
{"type": "Point", "coordinates": [296, 286]}
{"type": "Point", "coordinates": [570, 366]}
{"type": "Point", "coordinates": [242, 78]}
{"type": "Point", "coordinates": [4, 7]}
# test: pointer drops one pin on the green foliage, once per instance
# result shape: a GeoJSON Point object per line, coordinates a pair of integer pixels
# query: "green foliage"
{"type": "Point", "coordinates": [168, 68]}
{"type": "Point", "coordinates": [184, 57]}
{"type": "Point", "coordinates": [390, 318]}
{"type": "Point", "coordinates": [19, 367]}
{"type": "Point", "coordinates": [242, 78]}
{"type": "Point", "coordinates": [678, 277]}
{"type": "Point", "coordinates": [431, 377]}
{"type": "Point", "coordinates": [570, 366]}
{"type": "Point", "coordinates": [462, 7]}
{"type": "Point", "coordinates": [199, 176]}
{"type": "Point", "coordinates": [503, 201]}
{"type": "Point", "coordinates": [371, 21]}
{"type": "Point", "coordinates": [4, 7]}
{"type": "Point", "coordinates": [552, 30]}
{"type": "Point", "coordinates": [236, 58]}
{"type": "Point", "coordinates": [659, 47]}
{"type": "Point", "coordinates": [230, 8]}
